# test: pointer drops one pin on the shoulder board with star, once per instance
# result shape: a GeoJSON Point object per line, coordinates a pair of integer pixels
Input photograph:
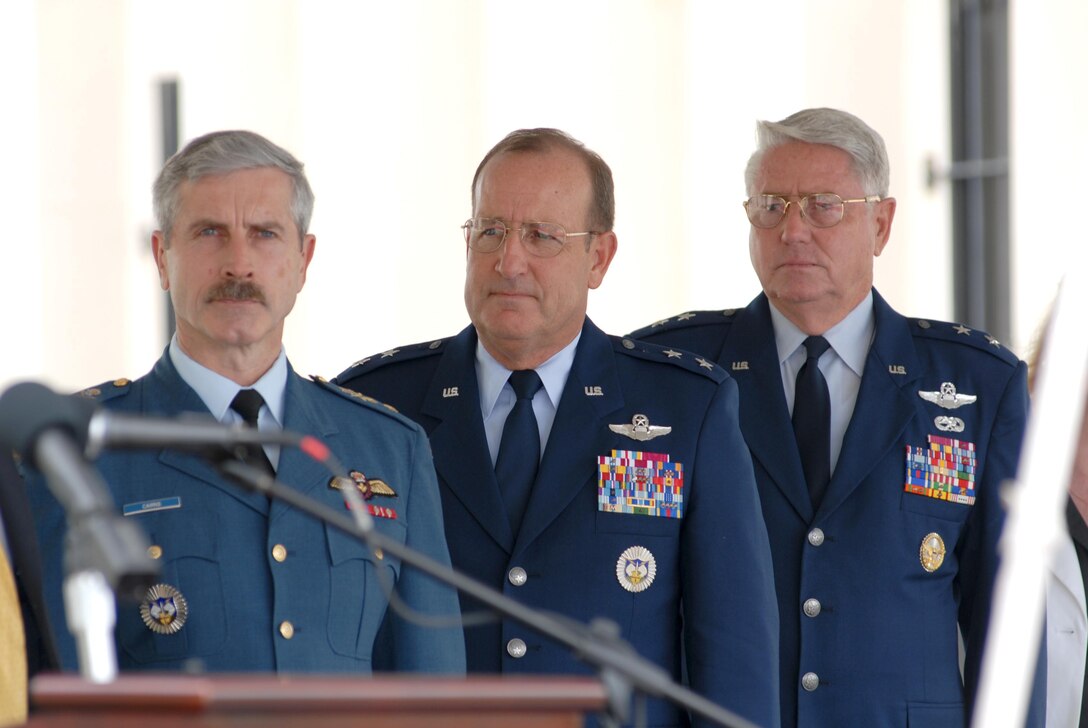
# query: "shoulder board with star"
{"type": "Point", "coordinates": [667, 355]}
{"type": "Point", "coordinates": [962, 335]}
{"type": "Point", "coordinates": [391, 356]}
{"type": "Point", "coordinates": [359, 398]}
{"type": "Point", "coordinates": [107, 390]}
{"type": "Point", "coordinates": [686, 320]}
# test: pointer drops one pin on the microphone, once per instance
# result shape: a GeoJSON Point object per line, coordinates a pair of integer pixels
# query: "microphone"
{"type": "Point", "coordinates": [104, 553]}
{"type": "Point", "coordinates": [28, 409]}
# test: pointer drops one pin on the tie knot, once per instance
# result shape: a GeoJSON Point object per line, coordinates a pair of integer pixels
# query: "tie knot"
{"type": "Point", "coordinates": [526, 383]}
{"type": "Point", "coordinates": [248, 403]}
{"type": "Point", "coordinates": [815, 346]}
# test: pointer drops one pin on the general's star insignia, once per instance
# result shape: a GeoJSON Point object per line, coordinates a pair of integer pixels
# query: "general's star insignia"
{"type": "Point", "coordinates": [671, 354]}
{"type": "Point", "coordinates": [685, 316]}
{"type": "Point", "coordinates": [948, 398]}
{"type": "Point", "coordinates": [391, 352]}
{"type": "Point", "coordinates": [961, 329]}
{"type": "Point", "coordinates": [704, 363]}
{"type": "Point", "coordinates": [640, 429]}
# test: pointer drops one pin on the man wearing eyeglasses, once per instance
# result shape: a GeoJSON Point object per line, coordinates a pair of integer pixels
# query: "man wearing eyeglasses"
{"type": "Point", "coordinates": [585, 474]}
{"type": "Point", "coordinates": [879, 442]}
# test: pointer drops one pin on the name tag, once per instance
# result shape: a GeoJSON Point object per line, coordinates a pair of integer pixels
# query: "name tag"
{"type": "Point", "coordinates": [162, 504]}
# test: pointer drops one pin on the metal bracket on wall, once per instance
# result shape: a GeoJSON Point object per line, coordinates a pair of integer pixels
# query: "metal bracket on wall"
{"type": "Point", "coordinates": [964, 169]}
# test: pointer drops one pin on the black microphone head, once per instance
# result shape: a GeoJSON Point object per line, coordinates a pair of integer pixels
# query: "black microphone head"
{"type": "Point", "coordinates": [28, 409]}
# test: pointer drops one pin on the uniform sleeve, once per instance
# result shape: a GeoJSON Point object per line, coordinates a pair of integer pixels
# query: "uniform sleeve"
{"type": "Point", "coordinates": [730, 609]}
{"type": "Point", "coordinates": [980, 555]}
{"type": "Point", "coordinates": [403, 645]}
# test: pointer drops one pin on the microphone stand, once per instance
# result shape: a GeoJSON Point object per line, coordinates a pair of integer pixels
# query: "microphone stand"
{"type": "Point", "coordinates": [104, 553]}
{"type": "Point", "coordinates": [622, 670]}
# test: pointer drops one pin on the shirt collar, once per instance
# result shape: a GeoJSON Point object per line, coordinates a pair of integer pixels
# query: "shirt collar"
{"type": "Point", "coordinates": [553, 373]}
{"type": "Point", "coordinates": [217, 391]}
{"type": "Point", "coordinates": [850, 338]}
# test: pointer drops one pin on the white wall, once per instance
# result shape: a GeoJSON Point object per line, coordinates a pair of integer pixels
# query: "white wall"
{"type": "Point", "coordinates": [1049, 153]}
{"type": "Point", "coordinates": [391, 105]}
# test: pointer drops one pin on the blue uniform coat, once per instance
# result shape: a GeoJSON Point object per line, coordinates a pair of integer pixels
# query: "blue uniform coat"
{"type": "Point", "coordinates": [218, 547]}
{"type": "Point", "coordinates": [879, 644]}
{"type": "Point", "coordinates": [713, 589]}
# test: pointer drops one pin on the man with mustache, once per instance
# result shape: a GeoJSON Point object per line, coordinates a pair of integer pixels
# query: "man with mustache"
{"type": "Point", "coordinates": [250, 584]}
{"type": "Point", "coordinates": [880, 442]}
{"type": "Point", "coordinates": [583, 473]}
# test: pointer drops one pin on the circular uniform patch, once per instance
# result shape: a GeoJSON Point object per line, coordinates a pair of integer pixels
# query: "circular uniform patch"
{"type": "Point", "coordinates": [931, 553]}
{"type": "Point", "coordinates": [164, 609]}
{"type": "Point", "coordinates": [636, 569]}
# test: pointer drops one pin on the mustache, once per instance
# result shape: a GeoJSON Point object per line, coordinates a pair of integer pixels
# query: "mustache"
{"type": "Point", "coordinates": [236, 290]}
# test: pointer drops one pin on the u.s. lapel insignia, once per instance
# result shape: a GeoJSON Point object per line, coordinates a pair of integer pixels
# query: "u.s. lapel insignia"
{"type": "Point", "coordinates": [636, 569]}
{"type": "Point", "coordinates": [640, 429]}
{"type": "Point", "coordinates": [931, 553]}
{"type": "Point", "coordinates": [948, 424]}
{"type": "Point", "coordinates": [164, 609]}
{"type": "Point", "coordinates": [368, 487]}
{"type": "Point", "coordinates": [948, 397]}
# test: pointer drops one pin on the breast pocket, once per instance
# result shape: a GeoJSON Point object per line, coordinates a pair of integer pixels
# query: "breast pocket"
{"type": "Point", "coordinates": [186, 544]}
{"type": "Point", "coordinates": [629, 523]}
{"type": "Point", "coordinates": [359, 582]}
{"type": "Point", "coordinates": [934, 507]}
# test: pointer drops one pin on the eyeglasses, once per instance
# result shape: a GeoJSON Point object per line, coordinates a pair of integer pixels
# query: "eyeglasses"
{"type": "Point", "coordinates": [823, 210]}
{"type": "Point", "coordinates": [541, 239]}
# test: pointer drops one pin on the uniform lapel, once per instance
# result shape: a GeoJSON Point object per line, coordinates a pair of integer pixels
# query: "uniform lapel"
{"type": "Point", "coordinates": [579, 433]}
{"type": "Point", "coordinates": [458, 441]}
{"type": "Point", "coordinates": [764, 416]}
{"type": "Point", "coordinates": [884, 407]}
{"type": "Point", "coordinates": [168, 393]}
{"type": "Point", "coordinates": [296, 469]}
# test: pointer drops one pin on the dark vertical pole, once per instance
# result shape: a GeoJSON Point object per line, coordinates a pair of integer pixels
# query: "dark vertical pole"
{"type": "Point", "coordinates": [168, 103]}
{"type": "Point", "coordinates": [979, 171]}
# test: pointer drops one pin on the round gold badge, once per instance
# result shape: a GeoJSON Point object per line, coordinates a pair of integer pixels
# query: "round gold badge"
{"type": "Point", "coordinates": [931, 553]}
{"type": "Point", "coordinates": [164, 609]}
{"type": "Point", "coordinates": [636, 569]}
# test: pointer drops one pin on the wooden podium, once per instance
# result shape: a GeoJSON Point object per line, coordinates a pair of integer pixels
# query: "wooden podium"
{"type": "Point", "coordinates": [305, 701]}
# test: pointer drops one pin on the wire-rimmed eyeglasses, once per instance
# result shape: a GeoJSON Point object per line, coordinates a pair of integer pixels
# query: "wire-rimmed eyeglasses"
{"type": "Point", "coordinates": [541, 239]}
{"type": "Point", "coordinates": [821, 210]}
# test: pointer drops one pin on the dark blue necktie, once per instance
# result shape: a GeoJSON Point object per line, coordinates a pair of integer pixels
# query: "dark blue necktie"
{"type": "Point", "coordinates": [248, 403]}
{"type": "Point", "coordinates": [812, 420]}
{"type": "Point", "coordinates": [519, 449]}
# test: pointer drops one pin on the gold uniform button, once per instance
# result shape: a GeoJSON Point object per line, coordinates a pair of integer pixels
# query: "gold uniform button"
{"type": "Point", "coordinates": [122, 382]}
{"type": "Point", "coordinates": [154, 551]}
{"type": "Point", "coordinates": [287, 630]}
{"type": "Point", "coordinates": [279, 552]}
{"type": "Point", "coordinates": [379, 554]}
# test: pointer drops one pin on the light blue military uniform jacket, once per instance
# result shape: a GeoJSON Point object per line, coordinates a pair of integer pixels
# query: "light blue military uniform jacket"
{"type": "Point", "coordinates": [712, 596]}
{"type": "Point", "coordinates": [314, 605]}
{"type": "Point", "coordinates": [869, 600]}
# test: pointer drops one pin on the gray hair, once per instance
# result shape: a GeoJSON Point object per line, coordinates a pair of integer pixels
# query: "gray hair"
{"type": "Point", "coordinates": [834, 128]}
{"type": "Point", "coordinates": [603, 211]}
{"type": "Point", "coordinates": [223, 152]}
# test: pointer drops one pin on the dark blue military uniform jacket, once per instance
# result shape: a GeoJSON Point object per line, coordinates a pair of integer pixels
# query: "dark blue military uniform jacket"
{"type": "Point", "coordinates": [713, 583]}
{"type": "Point", "coordinates": [316, 604]}
{"type": "Point", "coordinates": [868, 608]}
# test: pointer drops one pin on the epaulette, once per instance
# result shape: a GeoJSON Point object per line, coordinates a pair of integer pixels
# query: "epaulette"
{"type": "Point", "coordinates": [686, 320]}
{"type": "Point", "coordinates": [358, 398]}
{"type": "Point", "coordinates": [963, 335]}
{"type": "Point", "coordinates": [350, 394]}
{"type": "Point", "coordinates": [665, 355]}
{"type": "Point", "coordinates": [392, 356]}
{"type": "Point", "coordinates": [107, 390]}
